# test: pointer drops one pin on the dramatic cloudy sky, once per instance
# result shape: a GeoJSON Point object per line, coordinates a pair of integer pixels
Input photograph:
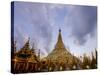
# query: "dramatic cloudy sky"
{"type": "Point", "coordinates": [41, 23]}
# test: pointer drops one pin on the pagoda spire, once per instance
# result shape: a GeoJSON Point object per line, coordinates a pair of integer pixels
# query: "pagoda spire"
{"type": "Point", "coordinates": [39, 54]}
{"type": "Point", "coordinates": [26, 45]}
{"type": "Point", "coordinates": [33, 49]}
{"type": "Point", "coordinates": [59, 44]}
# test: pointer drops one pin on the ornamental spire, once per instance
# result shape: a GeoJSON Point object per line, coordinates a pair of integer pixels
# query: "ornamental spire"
{"type": "Point", "coordinates": [26, 45]}
{"type": "Point", "coordinates": [59, 44]}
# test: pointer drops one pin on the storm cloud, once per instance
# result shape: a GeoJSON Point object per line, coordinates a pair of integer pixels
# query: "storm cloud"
{"type": "Point", "coordinates": [83, 22]}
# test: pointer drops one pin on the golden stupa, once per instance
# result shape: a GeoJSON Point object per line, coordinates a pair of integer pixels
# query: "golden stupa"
{"type": "Point", "coordinates": [61, 55]}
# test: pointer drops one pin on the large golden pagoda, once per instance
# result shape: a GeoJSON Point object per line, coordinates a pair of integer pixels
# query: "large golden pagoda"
{"type": "Point", "coordinates": [60, 54]}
